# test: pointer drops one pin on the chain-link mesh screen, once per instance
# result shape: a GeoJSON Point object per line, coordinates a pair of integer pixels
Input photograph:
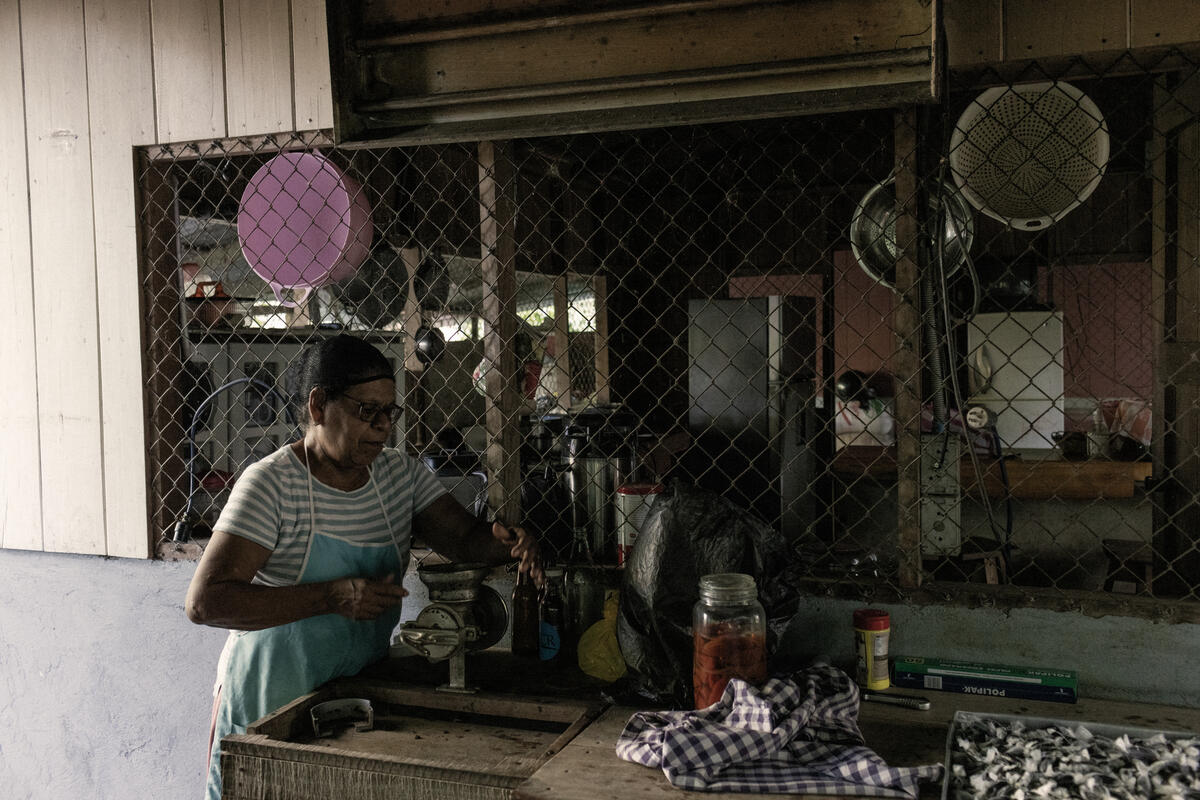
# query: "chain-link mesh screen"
{"type": "Point", "coordinates": [947, 348]}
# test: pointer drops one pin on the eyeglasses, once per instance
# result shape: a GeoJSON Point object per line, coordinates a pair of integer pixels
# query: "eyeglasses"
{"type": "Point", "coordinates": [369, 412]}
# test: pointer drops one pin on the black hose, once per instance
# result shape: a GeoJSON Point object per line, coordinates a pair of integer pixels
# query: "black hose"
{"type": "Point", "coordinates": [937, 367]}
{"type": "Point", "coordinates": [1006, 545]}
{"type": "Point", "coordinates": [183, 527]}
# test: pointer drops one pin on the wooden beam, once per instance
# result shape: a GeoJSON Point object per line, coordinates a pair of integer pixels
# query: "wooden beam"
{"type": "Point", "coordinates": [589, 48]}
{"type": "Point", "coordinates": [440, 21]}
{"type": "Point", "coordinates": [634, 66]}
{"type": "Point", "coordinates": [974, 34]}
{"type": "Point", "coordinates": [906, 322]}
{"type": "Point", "coordinates": [267, 144]}
{"type": "Point", "coordinates": [1153, 23]}
{"type": "Point", "coordinates": [497, 233]}
{"type": "Point", "coordinates": [1046, 28]}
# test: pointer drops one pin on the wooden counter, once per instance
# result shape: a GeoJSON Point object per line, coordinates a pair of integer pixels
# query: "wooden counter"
{"type": "Point", "coordinates": [1030, 477]}
{"type": "Point", "coordinates": [560, 745]}
{"type": "Point", "coordinates": [588, 768]}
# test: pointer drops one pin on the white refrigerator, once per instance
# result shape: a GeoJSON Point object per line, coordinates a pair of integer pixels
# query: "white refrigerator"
{"type": "Point", "coordinates": [1015, 364]}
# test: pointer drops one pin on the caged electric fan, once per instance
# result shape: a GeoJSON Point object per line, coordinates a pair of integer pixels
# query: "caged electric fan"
{"type": "Point", "coordinates": [873, 230]}
{"type": "Point", "coordinates": [1026, 155]}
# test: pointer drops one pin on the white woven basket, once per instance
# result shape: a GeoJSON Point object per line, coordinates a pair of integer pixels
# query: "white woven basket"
{"type": "Point", "coordinates": [1026, 155]}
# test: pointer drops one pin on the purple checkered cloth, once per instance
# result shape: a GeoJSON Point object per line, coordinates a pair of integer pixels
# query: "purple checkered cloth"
{"type": "Point", "coordinates": [797, 735]}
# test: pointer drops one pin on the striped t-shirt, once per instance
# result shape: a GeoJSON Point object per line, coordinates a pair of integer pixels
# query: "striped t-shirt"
{"type": "Point", "coordinates": [269, 506]}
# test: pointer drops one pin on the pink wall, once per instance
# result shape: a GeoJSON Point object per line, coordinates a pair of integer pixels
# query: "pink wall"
{"type": "Point", "coordinates": [862, 311]}
{"type": "Point", "coordinates": [1107, 327]}
{"type": "Point", "coordinates": [1108, 330]}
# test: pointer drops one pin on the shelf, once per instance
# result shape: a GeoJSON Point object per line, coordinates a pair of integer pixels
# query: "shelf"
{"type": "Point", "coordinates": [198, 334]}
{"type": "Point", "coordinates": [1055, 478]}
{"type": "Point", "coordinates": [1030, 478]}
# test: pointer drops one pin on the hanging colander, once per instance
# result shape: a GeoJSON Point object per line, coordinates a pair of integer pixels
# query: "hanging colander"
{"type": "Point", "coordinates": [303, 223]}
{"type": "Point", "coordinates": [1026, 155]}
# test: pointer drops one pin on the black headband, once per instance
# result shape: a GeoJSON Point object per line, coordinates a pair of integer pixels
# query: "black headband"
{"type": "Point", "coordinates": [369, 378]}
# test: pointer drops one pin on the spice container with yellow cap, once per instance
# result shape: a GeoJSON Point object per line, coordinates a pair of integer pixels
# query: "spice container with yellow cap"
{"type": "Point", "coordinates": [872, 628]}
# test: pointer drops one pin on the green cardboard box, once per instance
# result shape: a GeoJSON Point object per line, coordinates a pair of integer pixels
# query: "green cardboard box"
{"type": "Point", "coordinates": [973, 677]}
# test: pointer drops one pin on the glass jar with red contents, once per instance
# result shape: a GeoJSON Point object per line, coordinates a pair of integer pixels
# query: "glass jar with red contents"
{"type": "Point", "coordinates": [729, 635]}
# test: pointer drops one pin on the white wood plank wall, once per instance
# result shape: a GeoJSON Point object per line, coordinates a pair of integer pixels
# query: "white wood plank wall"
{"type": "Point", "coordinates": [82, 83]}
{"type": "Point", "coordinates": [119, 66]}
{"type": "Point", "coordinates": [258, 66]}
{"type": "Point", "coordinates": [59, 157]}
{"type": "Point", "coordinates": [20, 473]}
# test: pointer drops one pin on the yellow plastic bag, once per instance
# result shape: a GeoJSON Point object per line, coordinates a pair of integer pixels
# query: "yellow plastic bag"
{"type": "Point", "coordinates": [599, 654]}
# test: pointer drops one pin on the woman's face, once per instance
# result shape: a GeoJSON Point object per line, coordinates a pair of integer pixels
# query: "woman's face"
{"type": "Point", "coordinates": [347, 438]}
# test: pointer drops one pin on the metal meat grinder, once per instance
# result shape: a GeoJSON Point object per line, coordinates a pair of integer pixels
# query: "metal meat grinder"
{"type": "Point", "coordinates": [464, 615]}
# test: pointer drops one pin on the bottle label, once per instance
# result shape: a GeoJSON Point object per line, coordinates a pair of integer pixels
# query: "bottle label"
{"type": "Point", "coordinates": [549, 641]}
{"type": "Point", "coordinates": [871, 659]}
{"type": "Point", "coordinates": [524, 617]}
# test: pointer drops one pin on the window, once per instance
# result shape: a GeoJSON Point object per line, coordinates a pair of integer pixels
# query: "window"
{"type": "Point", "coordinates": [735, 322]}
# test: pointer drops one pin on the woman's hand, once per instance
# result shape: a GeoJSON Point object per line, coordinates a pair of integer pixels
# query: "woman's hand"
{"type": "Point", "coordinates": [447, 527]}
{"type": "Point", "coordinates": [364, 598]}
{"type": "Point", "coordinates": [523, 547]}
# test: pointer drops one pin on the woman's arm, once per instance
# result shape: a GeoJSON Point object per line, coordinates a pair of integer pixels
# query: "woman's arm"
{"type": "Point", "coordinates": [447, 527]}
{"type": "Point", "coordinates": [221, 594]}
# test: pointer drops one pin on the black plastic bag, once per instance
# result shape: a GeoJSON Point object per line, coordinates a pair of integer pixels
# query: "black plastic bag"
{"type": "Point", "coordinates": [688, 533]}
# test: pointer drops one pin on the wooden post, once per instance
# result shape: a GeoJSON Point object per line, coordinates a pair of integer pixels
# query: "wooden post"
{"type": "Point", "coordinates": [1176, 263]}
{"type": "Point", "coordinates": [417, 431]}
{"type": "Point", "coordinates": [163, 334]}
{"type": "Point", "coordinates": [600, 339]}
{"type": "Point", "coordinates": [906, 323]}
{"type": "Point", "coordinates": [581, 261]}
{"type": "Point", "coordinates": [561, 380]}
{"type": "Point", "coordinates": [497, 228]}
{"type": "Point", "coordinates": [1160, 259]}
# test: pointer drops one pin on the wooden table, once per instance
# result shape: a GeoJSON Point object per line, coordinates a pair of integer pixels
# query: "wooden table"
{"type": "Point", "coordinates": [588, 768]}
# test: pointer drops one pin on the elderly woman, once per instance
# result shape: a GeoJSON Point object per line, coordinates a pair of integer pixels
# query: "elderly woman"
{"type": "Point", "coordinates": [306, 560]}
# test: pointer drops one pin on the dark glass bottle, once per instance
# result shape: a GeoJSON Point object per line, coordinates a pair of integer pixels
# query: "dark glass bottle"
{"type": "Point", "coordinates": [550, 638]}
{"type": "Point", "coordinates": [524, 616]}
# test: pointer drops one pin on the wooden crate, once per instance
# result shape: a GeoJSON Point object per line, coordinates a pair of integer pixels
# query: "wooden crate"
{"type": "Point", "coordinates": [425, 744]}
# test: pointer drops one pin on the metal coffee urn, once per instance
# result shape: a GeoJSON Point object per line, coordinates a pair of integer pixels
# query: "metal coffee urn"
{"type": "Point", "coordinates": [598, 455]}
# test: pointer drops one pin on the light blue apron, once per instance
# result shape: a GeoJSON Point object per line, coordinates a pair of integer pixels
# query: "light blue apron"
{"type": "Point", "coordinates": [269, 668]}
